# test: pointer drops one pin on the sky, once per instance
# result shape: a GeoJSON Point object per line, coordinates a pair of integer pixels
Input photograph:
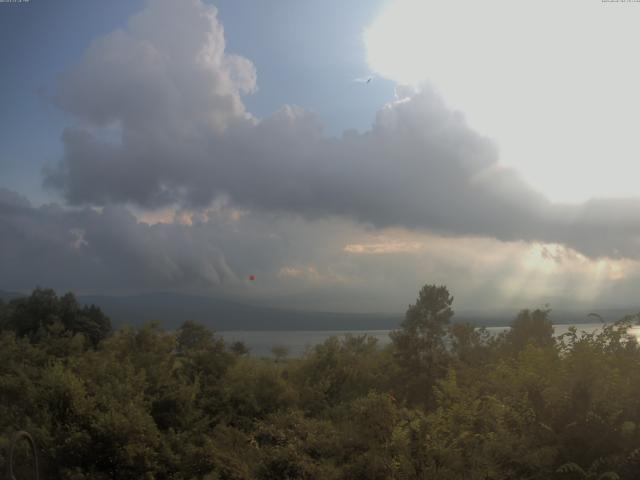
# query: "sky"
{"type": "Point", "coordinates": [342, 153]}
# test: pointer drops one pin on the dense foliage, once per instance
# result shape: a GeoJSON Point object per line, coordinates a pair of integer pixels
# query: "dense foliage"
{"type": "Point", "coordinates": [442, 401]}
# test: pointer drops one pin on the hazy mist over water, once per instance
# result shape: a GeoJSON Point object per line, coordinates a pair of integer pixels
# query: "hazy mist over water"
{"type": "Point", "coordinates": [297, 342]}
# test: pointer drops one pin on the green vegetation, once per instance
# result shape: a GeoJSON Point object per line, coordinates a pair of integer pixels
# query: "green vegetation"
{"type": "Point", "coordinates": [441, 402]}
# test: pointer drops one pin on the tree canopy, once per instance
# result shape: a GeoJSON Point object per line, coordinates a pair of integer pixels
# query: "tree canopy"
{"type": "Point", "coordinates": [148, 403]}
{"type": "Point", "coordinates": [44, 314]}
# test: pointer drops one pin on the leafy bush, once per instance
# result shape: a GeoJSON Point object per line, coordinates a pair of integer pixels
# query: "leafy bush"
{"type": "Point", "coordinates": [442, 401]}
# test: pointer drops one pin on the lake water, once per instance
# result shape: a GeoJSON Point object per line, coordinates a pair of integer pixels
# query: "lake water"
{"type": "Point", "coordinates": [297, 342]}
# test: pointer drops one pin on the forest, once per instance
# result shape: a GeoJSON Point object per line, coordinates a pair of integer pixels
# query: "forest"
{"type": "Point", "coordinates": [443, 401]}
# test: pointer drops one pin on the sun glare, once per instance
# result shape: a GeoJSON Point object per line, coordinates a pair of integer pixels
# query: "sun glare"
{"type": "Point", "coordinates": [557, 93]}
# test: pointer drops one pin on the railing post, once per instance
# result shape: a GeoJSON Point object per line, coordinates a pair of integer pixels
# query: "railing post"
{"type": "Point", "coordinates": [14, 441]}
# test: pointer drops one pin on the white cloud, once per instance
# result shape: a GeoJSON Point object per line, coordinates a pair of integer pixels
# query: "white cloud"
{"type": "Point", "coordinates": [553, 82]}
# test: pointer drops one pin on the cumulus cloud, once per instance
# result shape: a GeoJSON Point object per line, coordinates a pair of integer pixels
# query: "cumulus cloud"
{"type": "Point", "coordinates": [167, 88]}
{"type": "Point", "coordinates": [174, 96]}
{"type": "Point", "coordinates": [167, 72]}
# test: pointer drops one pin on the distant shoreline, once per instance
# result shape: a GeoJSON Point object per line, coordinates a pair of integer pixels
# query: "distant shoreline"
{"type": "Point", "coordinates": [296, 342]}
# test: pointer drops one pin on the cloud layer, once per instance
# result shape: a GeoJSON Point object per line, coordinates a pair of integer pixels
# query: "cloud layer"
{"type": "Point", "coordinates": [324, 264]}
{"type": "Point", "coordinates": [357, 222]}
{"type": "Point", "coordinates": [161, 122]}
{"type": "Point", "coordinates": [94, 250]}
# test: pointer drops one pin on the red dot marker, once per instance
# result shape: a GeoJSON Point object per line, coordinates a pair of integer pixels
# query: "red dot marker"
{"type": "Point", "coordinates": [252, 277]}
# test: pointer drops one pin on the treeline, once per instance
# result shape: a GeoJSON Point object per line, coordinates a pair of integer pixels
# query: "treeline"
{"type": "Point", "coordinates": [441, 402]}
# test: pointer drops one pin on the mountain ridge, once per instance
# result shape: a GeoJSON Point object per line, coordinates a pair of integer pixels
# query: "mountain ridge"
{"type": "Point", "coordinates": [171, 309]}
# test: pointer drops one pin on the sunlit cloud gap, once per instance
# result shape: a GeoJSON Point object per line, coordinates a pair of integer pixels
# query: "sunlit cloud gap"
{"type": "Point", "coordinates": [552, 82]}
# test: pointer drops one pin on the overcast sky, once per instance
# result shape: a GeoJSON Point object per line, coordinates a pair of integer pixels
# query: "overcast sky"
{"type": "Point", "coordinates": [344, 153]}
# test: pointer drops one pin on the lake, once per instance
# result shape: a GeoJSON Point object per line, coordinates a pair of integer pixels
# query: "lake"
{"type": "Point", "coordinates": [261, 342]}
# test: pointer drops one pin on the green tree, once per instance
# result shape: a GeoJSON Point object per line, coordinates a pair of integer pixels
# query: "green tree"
{"type": "Point", "coordinates": [531, 327]}
{"type": "Point", "coordinates": [594, 472]}
{"type": "Point", "coordinates": [341, 370]}
{"type": "Point", "coordinates": [239, 348]}
{"type": "Point", "coordinates": [280, 352]}
{"type": "Point", "coordinates": [43, 315]}
{"type": "Point", "coordinates": [193, 336]}
{"type": "Point", "coordinates": [420, 343]}
{"type": "Point", "coordinates": [470, 345]}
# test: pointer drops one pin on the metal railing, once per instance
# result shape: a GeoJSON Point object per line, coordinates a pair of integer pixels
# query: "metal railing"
{"type": "Point", "coordinates": [12, 449]}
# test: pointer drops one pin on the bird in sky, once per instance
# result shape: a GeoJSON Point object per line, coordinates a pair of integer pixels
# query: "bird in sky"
{"type": "Point", "coordinates": [365, 80]}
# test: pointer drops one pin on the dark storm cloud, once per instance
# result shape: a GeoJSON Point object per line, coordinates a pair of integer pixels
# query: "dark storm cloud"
{"type": "Point", "coordinates": [164, 124]}
{"type": "Point", "coordinates": [87, 249]}
{"type": "Point", "coordinates": [109, 250]}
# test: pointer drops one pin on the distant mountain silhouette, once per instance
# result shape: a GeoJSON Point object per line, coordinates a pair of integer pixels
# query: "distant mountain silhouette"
{"type": "Point", "coordinates": [172, 309]}
{"type": "Point", "coordinates": [7, 296]}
